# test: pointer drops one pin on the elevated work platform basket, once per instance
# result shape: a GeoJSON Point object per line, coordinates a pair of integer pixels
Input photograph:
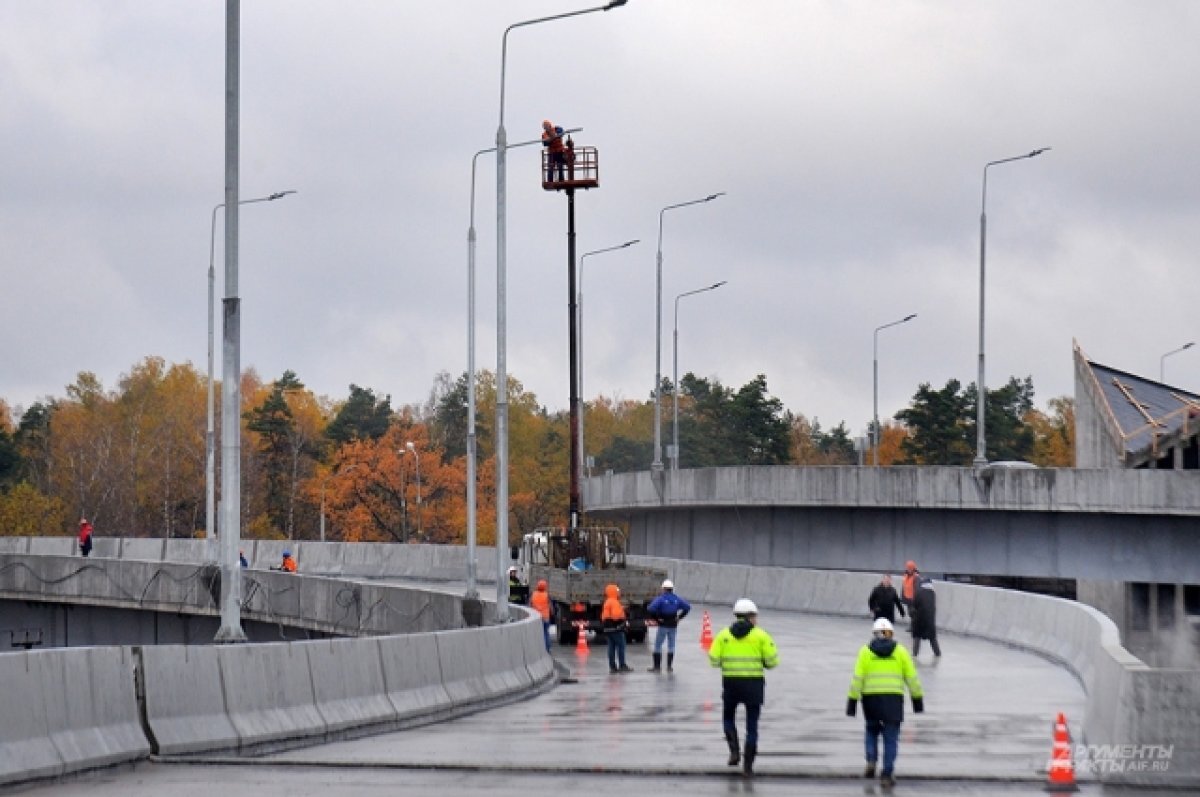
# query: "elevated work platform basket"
{"type": "Point", "coordinates": [579, 168]}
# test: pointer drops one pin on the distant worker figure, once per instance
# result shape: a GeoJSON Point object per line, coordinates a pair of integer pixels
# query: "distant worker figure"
{"type": "Point", "coordinates": [912, 576]}
{"type": "Point", "coordinates": [743, 651]}
{"type": "Point", "coordinates": [518, 593]}
{"type": "Point", "coordinates": [668, 609]}
{"type": "Point", "coordinates": [242, 559]}
{"type": "Point", "coordinates": [924, 617]}
{"type": "Point", "coordinates": [85, 536]}
{"type": "Point", "coordinates": [612, 617]}
{"type": "Point", "coordinates": [288, 565]}
{"type": "Point", "coordinates": [883, 600]}
{"type": "Point", "coordinates": [540, 600]}
{"type": "Point", "coordinates": [552, 139]}
{"type": "Point", "coordinates": [882, 672]}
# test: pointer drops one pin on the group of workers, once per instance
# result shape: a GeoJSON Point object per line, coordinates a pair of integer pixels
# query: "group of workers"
{"type": "Point", "coordinates": [883, 670]}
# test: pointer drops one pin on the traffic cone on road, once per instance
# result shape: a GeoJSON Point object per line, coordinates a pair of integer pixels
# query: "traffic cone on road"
{"type": "Point", "coordinates": [581, 645]}
{"type": "Point", "coordinates": [706, 632]}
{"type": "Point", "coordinates": [1061, 774]}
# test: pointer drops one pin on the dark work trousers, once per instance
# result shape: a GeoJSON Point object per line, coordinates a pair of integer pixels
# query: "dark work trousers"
{"type": "Point", "coordinates": [748, 691]}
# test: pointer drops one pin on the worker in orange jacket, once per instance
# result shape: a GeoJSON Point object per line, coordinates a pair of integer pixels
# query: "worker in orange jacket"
{"type": "Point", "coordinates": [540, 600]}
{"type": "Point", "coordinates": [912, 577]}
{"type": "Point", "coordinates": [612, 617]}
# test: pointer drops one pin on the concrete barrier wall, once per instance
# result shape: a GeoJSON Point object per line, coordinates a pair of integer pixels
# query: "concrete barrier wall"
{"type": "Point", "coordinates": [185, 699]}
{"type": "Point", "coordinates": [67, 710]}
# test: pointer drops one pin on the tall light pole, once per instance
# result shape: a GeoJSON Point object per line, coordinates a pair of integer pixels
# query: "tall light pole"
{"type": "Point", "coordinates": [210, 435]}
{"type": "Point", "coordinates": [472, 457]}
{"type": "Point", "coordinates": [579, 340]}
{"type": "Point", "coordinates": [502, 315]}
{"type": "Point", "coordinates": [875, 388]}
{"type": "Point", "coordinates": [675, 374]}
{"type": "Point", "coordinates": [1162, 361]}
{"type": "Point", "coordinates": [657, 463]}
{"type": "Point", "coordinates": [981, 401]}
{"type": "Point", "coordinates": [417, 457]}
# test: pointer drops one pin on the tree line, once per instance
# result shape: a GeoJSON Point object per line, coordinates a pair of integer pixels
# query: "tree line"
{"type": "Point", "coordinates": [132, 459]}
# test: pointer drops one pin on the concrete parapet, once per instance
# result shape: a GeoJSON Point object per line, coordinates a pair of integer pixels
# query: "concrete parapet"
{"type": "Point", "coordinates": [184, 699]}
{"type": "Point", "coordinates": [269, 693]}
{"type": "Point", "coordinates": [90, 706]}
{"type": "Point", "coordinates": [269, 553]}
{"type": "Point", "coordinates": [186, 550]}
{"type": "Point", "coordinates": [463, 672]}
{"type": "Point", "coordinates": [321, 558]}
{"type": "Point", "coordinates": [53, 546]}
{"type": "Point", "coordinates": [14, 544]}
{"type": "Point", "coordinates": [412, 675]}
{"type": "Point", "coordinates": [106, 547]}
{"type": "Point", "coordinates": [503, 657]}
{"type": "Point", "coordinates": [347, 680]}
{"type": "Point", "coordinates": [143, 548]}
{"type": "Point", "coordinates": [26, 751]}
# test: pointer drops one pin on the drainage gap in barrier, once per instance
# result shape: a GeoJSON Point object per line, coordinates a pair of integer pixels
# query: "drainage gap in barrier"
{"type": "Point", "coordinates": [139, 690]}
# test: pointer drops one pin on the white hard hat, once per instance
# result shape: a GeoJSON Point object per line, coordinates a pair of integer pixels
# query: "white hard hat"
{"type": "Point", "coordinates": [668, 584]}
{"type": "Point", "coordinates": [882, 624]}
{"type": "Point", "coordinates": [745, 606]}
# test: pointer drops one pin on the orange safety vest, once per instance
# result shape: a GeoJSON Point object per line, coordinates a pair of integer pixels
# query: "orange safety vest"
{"type": "Point", "coordinates": [540, 600]}
{"type": "Point", "coordinates": [289, 565]}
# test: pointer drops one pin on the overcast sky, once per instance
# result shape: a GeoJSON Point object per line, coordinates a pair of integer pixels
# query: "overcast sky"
{"type": "Point", "coordinates": [850, 138]}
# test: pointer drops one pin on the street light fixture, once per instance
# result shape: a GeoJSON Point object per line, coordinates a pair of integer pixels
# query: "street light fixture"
{"type": "Point", "coordinates": [1162, 361]}
{"type": "Point", "coordinates": [472, 458]}
{"type": "Point", "coordinates": [875, 389]}
{"type": "Point", "coordinates": [210, 435]}
{"type": "Point", "coordinates": [657, 464]}
{"type": "Point", "coordinates": [675, 373]}
{"type": "Point", "coordinates": [417, 457]}
{"type": "Point", "coordinates": [502, 314]}
{"type": "Point", "coordinates": [579, 341]}
{"type": "Point", "coordinates": [981, 401]}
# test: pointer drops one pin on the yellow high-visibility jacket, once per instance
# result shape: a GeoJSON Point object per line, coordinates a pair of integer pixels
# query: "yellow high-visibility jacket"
{"type": "Point", "coordinates": [743, 654]}
{"type": "Point", "coordinates": [884, 675]}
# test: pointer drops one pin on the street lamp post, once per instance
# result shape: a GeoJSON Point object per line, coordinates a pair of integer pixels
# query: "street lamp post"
{"type": "Point", "coordinates": [210, 434]}
{"type": "Point", "coordinates": [981, 400]}
{"type": "Point", "coordinates": [417, 457]}
{"type": "Point", "coordinates": [657, 464]}
{"type": "Point", "coordinates": [502, 314]}
{"type": "Point", "coordinates": [472, 457]}
{"type": "Point", "coordinates": [579, 340]}
{"type": "Point", "coordinates": [875, 387]}
{"type": "Point", "coordinates": [675, 374]}
{"type": "Point", "coordinates": [1162, 361]}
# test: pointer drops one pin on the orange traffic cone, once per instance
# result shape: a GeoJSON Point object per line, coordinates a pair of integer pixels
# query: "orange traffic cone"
{"type": "Point", "coordinates": [706, 632]}
{"type": "Point", "coordinates": [581, 645]}
{"type": "Point", "coordinates": [1061, 774]}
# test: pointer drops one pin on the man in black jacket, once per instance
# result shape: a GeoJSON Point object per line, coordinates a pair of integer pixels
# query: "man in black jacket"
{"type": "Point", "coordinates": [924, 617]}
{"type": "Point", "coordinates": [883, 601]}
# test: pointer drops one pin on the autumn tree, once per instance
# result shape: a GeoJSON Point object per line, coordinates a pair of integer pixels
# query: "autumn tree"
{"type": "Point", "coordinates": [26, 512]}
{"type": "Point", "coordinates": [1054, 434]}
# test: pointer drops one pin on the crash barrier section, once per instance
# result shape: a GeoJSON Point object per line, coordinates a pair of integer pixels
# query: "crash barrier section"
{"type": "Point", "coordinates": [1132, 710]}
{"type": "Point", "coordinates": [67, 710]}
{"type": "Point", "coordinates": [404, 659]}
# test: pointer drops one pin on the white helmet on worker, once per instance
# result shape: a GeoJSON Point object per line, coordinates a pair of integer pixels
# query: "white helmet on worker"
{"type": "Point", "coordinates": [882, 625]}
{"type": "Point", "coordinates": [668, 584]}
{"type": "Point", "coordinates": [744, 606]}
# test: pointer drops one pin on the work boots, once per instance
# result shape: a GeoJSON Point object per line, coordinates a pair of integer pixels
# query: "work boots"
{"type": "Point", "coordinates": [670, 662]}
{"type": "Point", "coordinates": [748, 761]}
{"type": "Point", "coordinates": [657, 663]}
{"type": "Point", "coordinates": [735, 757]}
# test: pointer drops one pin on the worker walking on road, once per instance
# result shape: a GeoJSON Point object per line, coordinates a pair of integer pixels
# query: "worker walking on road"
{"type": "Point", "coordinates": [540, 600]}
{"type": "Point", "coordinates": [883, 600]}
{"type": "Point", "coordinates": [881, 674]}
{"type": "Point", "coordinates": [924, 617]}
{"type": "Point", "coordinates": [85, 536]}
{"type": "Point", "coordinates": [612, 617]}
{"type": "Point", "coordinates": [667, 609]}
{"type": "Point", "coordinates": [743, 651]}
